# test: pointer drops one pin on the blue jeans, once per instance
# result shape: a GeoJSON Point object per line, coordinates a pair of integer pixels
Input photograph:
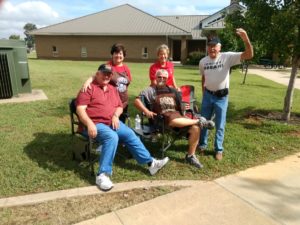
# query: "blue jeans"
{"type": "Point", "coordinates": [218, 105]}
{"type": "Point", "coordinates": [109, 139]}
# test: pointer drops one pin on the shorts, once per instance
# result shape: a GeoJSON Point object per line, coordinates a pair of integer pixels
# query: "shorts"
{"type": "Point", "coordinates": [169, 116]}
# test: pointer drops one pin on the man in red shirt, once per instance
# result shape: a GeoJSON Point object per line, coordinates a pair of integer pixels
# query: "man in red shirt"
{"type": "Point", "coordinates": [99, 109]}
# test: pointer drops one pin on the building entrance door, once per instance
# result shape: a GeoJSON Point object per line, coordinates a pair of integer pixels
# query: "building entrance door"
{"type": "Point", "coordinates": [176, 50]}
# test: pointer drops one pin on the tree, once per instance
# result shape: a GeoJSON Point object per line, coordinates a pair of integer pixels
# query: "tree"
{"type": "Point", "coordinates": [230, 42]}
{"type": "Point", "coordinates": [274, 29]}
{"type": "Point", "coordinates": [14, 37]}
{"type": "Point", "coordinates": [29, 39]}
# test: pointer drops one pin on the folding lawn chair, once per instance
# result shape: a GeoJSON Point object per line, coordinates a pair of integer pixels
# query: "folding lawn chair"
{"type": "Point", "coordinates": [188, 98]}
{"type": "Point", "coordinates": [76, 131]}
{"type": "Point", "coordinates": [156, 129]}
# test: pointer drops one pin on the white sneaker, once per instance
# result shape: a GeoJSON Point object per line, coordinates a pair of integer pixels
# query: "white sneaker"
{"type": "Point", "coordinates": [156, 165]}
{"type": "Point", "coordinates": [104, 183]}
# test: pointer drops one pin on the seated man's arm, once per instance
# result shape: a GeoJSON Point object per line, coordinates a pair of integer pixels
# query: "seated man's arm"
{"type": "Point", "coordinates": [141, 107]}
{"type": "Point", "coordinates": [85, 119]}
{"type": "Point", "coordinates": [115, 119]}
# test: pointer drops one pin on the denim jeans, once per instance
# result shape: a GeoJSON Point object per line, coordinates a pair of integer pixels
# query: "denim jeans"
{"type": "Point", "coordinates": [110, 138]}
{"type": "Point", "coordinates": [218, 105]}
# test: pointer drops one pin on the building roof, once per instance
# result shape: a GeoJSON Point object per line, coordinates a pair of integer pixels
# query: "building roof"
{"type": "Point", "coordinates": [189, 23]}
{"type": "Point", "coordinates": [126, 20]}
{"type": "Point", "coordinates": [216, 20]}
{"type": "Point", "coordinates": [121, 20]}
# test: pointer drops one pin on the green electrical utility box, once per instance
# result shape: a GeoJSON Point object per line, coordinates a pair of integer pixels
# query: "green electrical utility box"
{"type": "Point", "coordinates": [14, 72]}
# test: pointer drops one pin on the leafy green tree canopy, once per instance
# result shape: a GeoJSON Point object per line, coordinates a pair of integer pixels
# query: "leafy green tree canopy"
{"type": "Point", "coordinates": [14, 37]}
{"type": "Point", "coordinates": [273, 27]}
{"type": "Point", "coordinates": [29, 38]}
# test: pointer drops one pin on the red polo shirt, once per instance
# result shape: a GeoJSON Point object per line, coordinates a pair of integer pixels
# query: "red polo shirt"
{"type": "Point", "coordinates": [101, 104]}
{"type": "Point", "coordinates": [157, 66]}
{"type": "Point", "coordinates": [120, 69]}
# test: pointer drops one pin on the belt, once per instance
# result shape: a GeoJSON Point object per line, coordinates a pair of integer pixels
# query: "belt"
{"type": "Point", "coordinates": [210, 92]}
{"type": "Point", "coordinates": [218, 93]}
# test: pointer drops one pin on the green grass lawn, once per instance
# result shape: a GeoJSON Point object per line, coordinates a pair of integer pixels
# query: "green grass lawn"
{"type": "Point", "coordinates": [36, 145]}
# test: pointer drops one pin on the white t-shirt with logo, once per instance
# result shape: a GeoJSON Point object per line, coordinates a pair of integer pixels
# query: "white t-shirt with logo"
{"type": "Point", "coordinates": [216, 71]}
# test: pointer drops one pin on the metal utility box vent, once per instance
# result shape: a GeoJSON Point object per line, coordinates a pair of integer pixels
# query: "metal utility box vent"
{"type": "Point", "coordinates": [5, 83]}
{"type": "Point", "coordinates": [14, 72]}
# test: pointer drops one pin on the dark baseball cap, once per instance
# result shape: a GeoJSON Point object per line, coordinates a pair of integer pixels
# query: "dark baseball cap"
{"type": "Point", "coordinates": [213, 41]}
{"type": "Point", "coordinates": [104, 68]}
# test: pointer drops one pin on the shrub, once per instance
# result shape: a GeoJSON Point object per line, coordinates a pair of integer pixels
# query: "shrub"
{"type": "Point", "coordinates": [194, 57]}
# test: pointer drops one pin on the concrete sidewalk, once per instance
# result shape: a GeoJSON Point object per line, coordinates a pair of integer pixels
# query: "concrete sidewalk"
{"type": "Point", "coordinates": [264, 195]}
{"type": "Point", "coordinates": [281, 76]}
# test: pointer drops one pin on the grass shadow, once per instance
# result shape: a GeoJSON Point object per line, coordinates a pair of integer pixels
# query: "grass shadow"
{"type": "Point", "coordinates": [124, 159]}
{"type": "Point", "coordinates": [53, 152]}
{"type": "Point", "coordinates": [233, 114]}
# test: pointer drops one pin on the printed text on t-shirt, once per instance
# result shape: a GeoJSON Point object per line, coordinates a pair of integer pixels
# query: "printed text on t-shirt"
{"type": "Point", "coordinates": [213, 65]}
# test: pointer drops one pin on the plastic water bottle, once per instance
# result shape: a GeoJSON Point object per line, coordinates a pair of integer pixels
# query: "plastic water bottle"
{"type": "Point", "coordinates": [137, 121]}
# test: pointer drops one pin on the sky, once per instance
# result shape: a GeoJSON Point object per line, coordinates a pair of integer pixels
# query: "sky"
{"type": "Point", "coordinates": [14, 14]}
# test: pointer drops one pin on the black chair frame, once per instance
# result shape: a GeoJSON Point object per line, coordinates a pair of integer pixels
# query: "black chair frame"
{"type": "Point", "coordinates": [89, 142]}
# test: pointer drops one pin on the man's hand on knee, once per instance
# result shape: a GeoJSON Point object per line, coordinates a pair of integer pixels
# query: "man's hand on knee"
{"type": "Point", "coordinates": [92, 130]}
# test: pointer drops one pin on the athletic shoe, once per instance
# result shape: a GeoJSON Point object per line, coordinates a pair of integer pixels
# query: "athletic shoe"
{"type": "Point", "coordinates": [103, 182]}
{"type": "Point", "coordinates": [193, 161]}
{"type": "Point", "coordinates": [156, 165]}
{"type": "Point", "coordinates": [203, 123]}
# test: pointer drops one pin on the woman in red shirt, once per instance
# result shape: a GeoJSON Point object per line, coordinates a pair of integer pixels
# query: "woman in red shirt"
{"type": "Point", "coordinates": [121, 76]}
{"type": "Point", "coordinates": [163, 63]}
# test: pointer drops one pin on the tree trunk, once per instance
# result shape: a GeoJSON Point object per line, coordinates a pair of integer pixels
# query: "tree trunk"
{"type": "Point", "coordinates": [288, 100]}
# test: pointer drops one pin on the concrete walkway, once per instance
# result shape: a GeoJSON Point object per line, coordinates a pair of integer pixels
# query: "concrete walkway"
{"type": "Point", "coordinates": [264, 195]}
{"type": "Point", "coordinates": [281, 76]}
{"type": "Point", "coordinates": [35, 95]}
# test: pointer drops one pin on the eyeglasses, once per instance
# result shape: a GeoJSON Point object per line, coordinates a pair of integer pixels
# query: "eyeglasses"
{"type": "Point", "coordinates": [161, 77]}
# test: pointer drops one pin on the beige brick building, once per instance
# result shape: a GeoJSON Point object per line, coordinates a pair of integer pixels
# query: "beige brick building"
{"type": "Point", "coordinates": [91, 37]}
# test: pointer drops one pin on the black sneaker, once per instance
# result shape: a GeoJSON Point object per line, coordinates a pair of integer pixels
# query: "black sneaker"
{"type": "Point", "coordinates": [203, 123]}
{"type": "Point", "coordinates": [193, 161]}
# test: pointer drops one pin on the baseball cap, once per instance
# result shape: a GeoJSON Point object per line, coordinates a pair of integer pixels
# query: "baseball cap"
{"type": "Point", "coordinates": [104, 68]}
{"type": "Point", "coordinates": [213, 41]}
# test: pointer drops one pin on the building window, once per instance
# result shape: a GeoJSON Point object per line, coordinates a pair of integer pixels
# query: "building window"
{"type": "Point", "coordinates": [54, 51]}
{"type": "Point", "coordinates": [83, 52]}
{"type": "Point", "coordinates": [145, 53]}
